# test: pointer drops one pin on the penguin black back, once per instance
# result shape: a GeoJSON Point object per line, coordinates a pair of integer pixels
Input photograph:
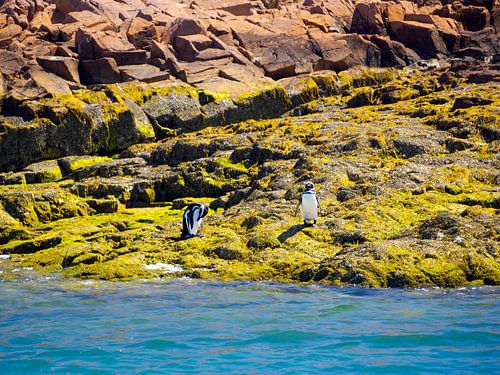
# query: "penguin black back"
{"type": "Point", "coordinates": [192, 218]}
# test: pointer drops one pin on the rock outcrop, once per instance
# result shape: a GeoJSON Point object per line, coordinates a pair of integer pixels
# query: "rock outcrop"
{"type": "Point", "coordinates": [229, 43]}
{"type": "Point", "coordinates": [405, 163]}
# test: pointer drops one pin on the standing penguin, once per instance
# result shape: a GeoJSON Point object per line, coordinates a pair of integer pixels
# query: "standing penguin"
{"type": "Point", "coordinates": [309, 204]}
{"type": "Point", "coordinates": [191, 220]}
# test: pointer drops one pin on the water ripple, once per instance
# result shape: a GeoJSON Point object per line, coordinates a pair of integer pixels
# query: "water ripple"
{"type": "Point", "coordinates": [186, 327]}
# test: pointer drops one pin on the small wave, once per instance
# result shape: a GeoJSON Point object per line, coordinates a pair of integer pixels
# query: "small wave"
{"type": "Point", "coordinates": [165, 267]}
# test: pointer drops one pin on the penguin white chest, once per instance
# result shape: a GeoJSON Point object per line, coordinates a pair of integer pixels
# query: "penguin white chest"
{"type": "Point", "coordinates": [309, 207]}
{"type": "Point", "coordinates": [197, 219]}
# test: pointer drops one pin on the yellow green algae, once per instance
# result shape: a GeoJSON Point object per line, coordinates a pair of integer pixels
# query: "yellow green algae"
{"type": "Point", "coordinates": [408, 197]}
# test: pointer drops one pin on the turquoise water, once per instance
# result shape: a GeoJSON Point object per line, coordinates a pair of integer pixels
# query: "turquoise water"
{"type": "Point", "coordinates": [186, 327]}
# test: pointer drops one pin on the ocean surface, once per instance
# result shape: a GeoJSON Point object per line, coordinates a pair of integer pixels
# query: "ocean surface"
{"type": "Point", "coordinates": [52, 326]}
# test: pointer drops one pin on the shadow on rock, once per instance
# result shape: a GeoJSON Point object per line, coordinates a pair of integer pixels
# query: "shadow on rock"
{"type": "Point", "coordinates": [292, 231]}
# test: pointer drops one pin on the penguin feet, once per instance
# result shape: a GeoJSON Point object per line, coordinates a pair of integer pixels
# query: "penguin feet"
{"type": "Point", "coordinates": [308, 224]}
{"type": "Point", "coordinates": [185, 236]}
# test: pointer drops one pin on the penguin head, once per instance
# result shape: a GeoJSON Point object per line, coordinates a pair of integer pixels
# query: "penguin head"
{"type": "Point", "coordinates": [308, 186]}
{"type": "Point", "coordinates": [204, 211]}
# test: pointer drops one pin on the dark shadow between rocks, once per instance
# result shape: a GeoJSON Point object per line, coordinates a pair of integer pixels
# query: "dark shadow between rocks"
{"type": "Point", "coordinates": [292, 231]}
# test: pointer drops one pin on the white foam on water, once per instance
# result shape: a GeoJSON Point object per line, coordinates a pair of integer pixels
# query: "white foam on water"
{"type": "Point", "coordinates": [4, 256]}
{"type": "Point", "coordinates": [165, 267]}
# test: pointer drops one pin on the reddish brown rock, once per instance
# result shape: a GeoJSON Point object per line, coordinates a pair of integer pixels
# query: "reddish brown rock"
{"type": "Point", "coordinates": [21, 11]}
{"type": "Point", "coordinates": [449, 29]}
{"type": "Point", "coordinates": [51, 83]}
{"type": "Point", "coordinates": [11, 63]}
{"type": "Point", "coordinates": [65, 51]}
{"type": "Point", "coordinates": [182, 26]}
{"type": "Point", "coordinates": [200, 71]}
{"type": "Point", "coordinates": [67, 32]}
{"type": "Point", "coordinates": [64, 67]}
{"type": "Point", "coordinates": [42, 22]}
{"type": "Point", "coordinates": [141, 33]}
{"type": "Point", "coordinates": [68, 6]}
{"type": "Point", "coordinates": [144, 73]}
{"type": "Point", "coordinates": [423, 38]}
{"type": "Point", "coordinates": [3, 20]}
{"type": "Point", "coordinates": [219, 28]}
{"type": "Point", "coordinates": [212, 54]}
{"type": "Point", "coordinates": [235, 7]}
{"type": "Point", "coordinates": [441, 23]}
{"type": "Point", "coordinates": [393, 12]}
{"type": "Point", "coordinates": [340, 52]}
{"type": "Point", "coordinates": [285, 55]}
{"type": "Point", "coordinates": [393, 53]}
{"type": "Point", "coordinates": [8, 33]}
{"type": "Point", "coordinates": [341, 11]}
{"type": "Point", "coordinates": [473, 18]}
{"type": "Point", "coordinates": [188, 46]}
{"type": "Point", "coordinates": [495, 16]}
{"type": "Point", "coordinates": [92, 46]}
{"type": "Point", "coordinates": [103, 70]}
{"type": "Point", "coordinates": [238, 40]}
{"type": "Point", "coordinates": [83, 17]}
{"type": "Point", "coordinates": [367, 19]}
{"type": "Point", "coordinates": [31, 47]}
{"type": "Point", "coordinates": [162, 51]}
{"type": "Point", "coordinates": [238, 72]}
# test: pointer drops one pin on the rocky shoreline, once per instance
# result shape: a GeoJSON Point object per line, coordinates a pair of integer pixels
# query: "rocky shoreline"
{"type": "Point", "coordinates": [247, 101]}
{"type": "Point", "coordinates": [409, 190]}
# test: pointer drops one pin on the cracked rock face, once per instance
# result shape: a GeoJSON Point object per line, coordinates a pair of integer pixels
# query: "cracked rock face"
{"type": "Point", "coordinates": [231, 43]}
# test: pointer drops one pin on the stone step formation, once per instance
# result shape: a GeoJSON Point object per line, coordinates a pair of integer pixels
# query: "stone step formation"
{"type": "Point", "coordinates": [218, 44]}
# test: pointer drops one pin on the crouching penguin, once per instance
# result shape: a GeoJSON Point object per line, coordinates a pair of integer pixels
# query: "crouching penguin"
{"type": "Point", "coordinates": [192, 218]}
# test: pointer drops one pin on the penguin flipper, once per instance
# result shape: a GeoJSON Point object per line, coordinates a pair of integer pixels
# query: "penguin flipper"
{"type": "Point", "coordinates": [298, 205]}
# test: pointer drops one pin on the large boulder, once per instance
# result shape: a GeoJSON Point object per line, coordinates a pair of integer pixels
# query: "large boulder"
{"type": "Point", "coordinates": [74, 21]}
{"type": "Point", "coordinates": [68, 6]}
{"type": "Point", "coordinates": [143, 73]}
{"type": "Point", "coordinates": [235, 7]}
{"type": "Point", "coordinates": [92, 46]}
{"type": "Point", "coordinates": [341, 11]}
{"type": "Point", "coordinates": [421, 37]}
{"type": "Point", "coordinates": [188, 47]}
{"type": "Point", "coordinates": [182, 26]}
{"type": "Point", "coordinates": [64, 67]}
{"type": "Point", "coordinates": [393, 53]}
{"type": "Point", "coordinates": [284, 55]}
{"type": "Point", "coordinates": [449, 29]}
{"type": "Point", "coordinates": [22, 143]}
{"type": "Point", "coordinates": [367, 19]}
{"type": "Point", "coordinates": [341, 52]}
{"type": "Point", "coordinates": [103, 70]}
{"type": "Point", "coordinates": [141, 33]}
{"type": "Point", "coordinates": [472, 17]}
{"type": "Point", "coordinates": [72, 130]}
{"type": "Point", "coordinates": [11, 63]}
{"type": "Point", "coordinates": [49, 82]}
{"type": "Point", "coordinates": [175, 111]}
{"type": "Point", "coordinates": [8, 33]}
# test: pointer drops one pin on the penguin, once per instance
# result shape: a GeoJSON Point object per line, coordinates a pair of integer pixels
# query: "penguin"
{"type": "Point", "coordinates": [309, 204]}
{"type": "Point", "coordinates": [191, 219]}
